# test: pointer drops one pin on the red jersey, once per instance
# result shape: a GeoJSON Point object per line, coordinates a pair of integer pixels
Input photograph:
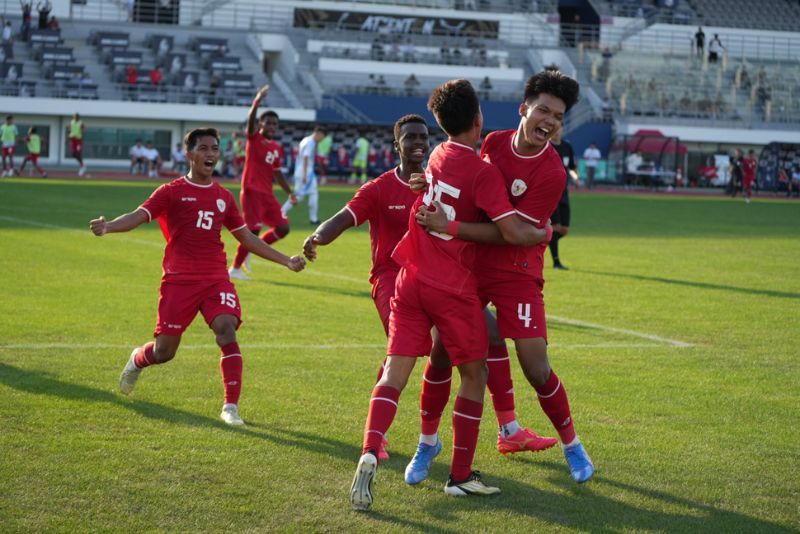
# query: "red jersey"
{"type": "Point", "coordinates": [262, 157]}
{"type": "Point", "coordinates": [534, 185]}
{"type": "Point", "coordinates": [469, 189]}
{"type": "Point", "coordinates": [385, 202]}
{"type": "Point", "coordinates": [193, 216]}
{"type": "Point", "coordinates": [749, 169]}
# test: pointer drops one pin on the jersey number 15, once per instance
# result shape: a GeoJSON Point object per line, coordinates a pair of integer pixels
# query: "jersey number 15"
{"type": "Point", "coordinates": [434, 193]}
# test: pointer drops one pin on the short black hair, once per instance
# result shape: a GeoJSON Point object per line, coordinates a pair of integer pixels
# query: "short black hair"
{"type": "Point", "coordinates": [33, 131]}
{"type": "Point", "coordinates": [321, 129]}
{"type": "Point", "coordinates": [269, 113]}
{"type": "Point", "coordinates": [191, 137]}
{"type": "Point", "coordinates": [455, 106]}
{"type": "Point", "coordinates": [407, 119]}
{"type": "Point", "coordinates": [554, 83]}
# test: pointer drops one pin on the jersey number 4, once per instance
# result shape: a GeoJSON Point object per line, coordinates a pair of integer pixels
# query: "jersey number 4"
{"type": "Point", "coordinates": [524, 313]}
{"type": "Point", "coordinates": [205, 219]}
{"type": "Point", "coordinates": [434, 193]}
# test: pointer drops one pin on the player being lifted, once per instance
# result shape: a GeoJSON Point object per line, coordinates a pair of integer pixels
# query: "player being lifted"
{"type": "Point", "coordinates": [436, 287]}
{"type": "Point", "coordinates": [510, 276]}
{"type": "Point", "coordinates": [262, 163]}
{"type": "Point", "coordinates": [192, 211]}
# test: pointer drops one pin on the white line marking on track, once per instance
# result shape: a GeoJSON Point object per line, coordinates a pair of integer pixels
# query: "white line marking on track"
{"type": "Point", "coordinates": [564, 320]}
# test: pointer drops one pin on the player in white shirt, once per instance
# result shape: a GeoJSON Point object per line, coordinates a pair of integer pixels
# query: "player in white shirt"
{"type": "Point", "coordinates": [305, 179]}
{"type": "Point", "coordinates": [138, 158]}
{"type": "Point", "coordinates": [591, 156]}
{"type": "Point", "coordinates": [153, 159]}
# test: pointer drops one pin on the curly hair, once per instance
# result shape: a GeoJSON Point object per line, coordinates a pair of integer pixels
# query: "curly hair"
{"type": "Point", "coordinates": [455, 106]}
{"type": "Point", "coordinates": [406, 119]}
{"type": "Point", "coordinates": [553, 82]}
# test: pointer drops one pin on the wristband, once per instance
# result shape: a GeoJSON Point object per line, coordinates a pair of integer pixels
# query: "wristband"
{"type": "Point", "coordinates": [452, 228]}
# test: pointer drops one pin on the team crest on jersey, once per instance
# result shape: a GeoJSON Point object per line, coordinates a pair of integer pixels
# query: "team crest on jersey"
{"type": "Point", "coordinates": [518, 187]}
{"type": "Point", "coordinates": [221, 205]}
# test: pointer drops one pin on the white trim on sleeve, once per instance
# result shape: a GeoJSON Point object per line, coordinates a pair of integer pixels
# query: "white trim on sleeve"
{"type": "Point", "coordinates": [528, 217]}
{"type": "Point", "coordinates": [237, 229]}
{"type": "Point", "coordinates": [149, 215]}
{"type": "Point", "coordinates": [355, 219]}
{"type": "Point", "coordinates": [504, 215]}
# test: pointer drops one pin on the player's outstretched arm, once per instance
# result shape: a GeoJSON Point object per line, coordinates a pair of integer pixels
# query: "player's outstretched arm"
{"type": "Point", "coordinates": [281, 179]}
{"type": "Point", "coordinates": [123, 223]}
{"type": "Point", "coordinates": [327, 232]}
{"type": "Point", "coordinates": [507, 231]}
{"type": "Point", "coordinates": [251, 117]}
{"type": "Point", "coordinates": [259, 248]}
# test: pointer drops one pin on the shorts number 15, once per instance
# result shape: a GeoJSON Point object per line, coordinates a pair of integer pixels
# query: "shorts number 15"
{"type": "Point", "coordinates": [434, 193]}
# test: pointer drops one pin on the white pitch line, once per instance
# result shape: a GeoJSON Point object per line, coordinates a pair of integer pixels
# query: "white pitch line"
{"type": "Point", "coordinates": [634, 333]}
{"type": "Point", "coordinates": [564, 320]}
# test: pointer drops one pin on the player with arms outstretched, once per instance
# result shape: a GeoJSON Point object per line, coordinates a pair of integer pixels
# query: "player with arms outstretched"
{"type": "Point", "coordinates": [436, 287]}
{"type": "Point", "coordinates": [510, 276]}
{"type": "Point", "coordinates": [262, 163]}
{"type": "Point", "coordinates": [192, 211]}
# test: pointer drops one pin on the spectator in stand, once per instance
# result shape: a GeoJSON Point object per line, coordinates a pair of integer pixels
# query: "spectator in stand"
{"type": "Point", "coordinates": [153, 160]}
{"type": "Point", "coordinates": [178, 158]}
{"type": "Point", "coordinates": [53, 23]}
{"type": "Point", "coordinates": [794, 182]}
{"type": "Point", "coordinates": [444, 52]}
{"type": "Point", "coordinates": [591, 156]}
{"type": "Point", "coordinates": [132, 77]}
{"type": "Point", "coordinates": [214, 84]}
{"type": "Point", "coordinates": [156, 76]}
{"type": "Point", "coordinates": [7, 40]}
{"type": "Point", "coordinates": [714, 49]}
{"type": "Point", "coordinates": [138, 158]}
{"type": "Point", "coordinates": [699, 41]}
{"type": "Point", "coordinates": [25, 27]}
{"type": "Point", "coordinates": [408, 50]}
{"type": "Point", "coordinates": [411, 84]}
{"type": "Point", "coordinates": [470, 4]}
{"type": "Point", "coordinates": [485, 88]}
{"type": "Point", "coordinates": [44, 9]}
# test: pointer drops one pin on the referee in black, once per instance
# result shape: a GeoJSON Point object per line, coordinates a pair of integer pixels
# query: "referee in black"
{"type": "Point", "coordinates": [560, 218]}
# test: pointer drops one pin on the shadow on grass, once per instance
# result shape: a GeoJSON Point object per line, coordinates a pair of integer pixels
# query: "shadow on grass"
{"type": "Point", "coordinates": [701, 285]}
{"type": "Point", "coordinates": [579, 507]}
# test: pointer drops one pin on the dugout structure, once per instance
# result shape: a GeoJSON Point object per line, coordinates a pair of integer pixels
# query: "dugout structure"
{"type": "Point", "coordinates": [773, 158]}
{"type": "Point", "coordinates": [646, 158]}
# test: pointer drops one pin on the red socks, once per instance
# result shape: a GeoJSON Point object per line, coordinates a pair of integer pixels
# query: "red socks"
{"type": "Point", "coordinates": [382, 409]}
{"type": "Point", "coordinates": [434, 396]}
{"type": "Point", "coordinates": [466, 425]}
{"type": "Point", "coordinates": [553, 399]}
{"type": "Point", "coordinates": [230, 366]}
{"type": "Point", "coordinates": [500, 384]}
{"type": "Point", "coordinates": [270, 236]}
{"type": "Point", "coordinates": [144, 357]}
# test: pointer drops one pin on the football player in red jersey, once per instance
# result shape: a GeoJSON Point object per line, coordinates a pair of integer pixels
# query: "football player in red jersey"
{"type": "Point", "coordinates": [193, 209]}
{"type": "Point", "coordinates": [262, 163]}
{"type": "Point", "coordinates": [436, 287]}
{"type": "Point", "coordinates": [511, 276]}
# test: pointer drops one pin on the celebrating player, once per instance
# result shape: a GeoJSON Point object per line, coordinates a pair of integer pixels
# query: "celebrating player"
{"type": "Point", "coordinates": [262, 163]}
{"type": "Point", "coordinates": [511, 276]}
{"type": "Point", "coordinates": [436, 287]}
{"type": "Point", "coordinates": [192, 211]}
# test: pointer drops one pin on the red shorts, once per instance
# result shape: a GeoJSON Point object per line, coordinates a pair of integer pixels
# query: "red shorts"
{"type": "Point", "coordinates": [8, 150]}
{"type": "Point", "coordinates": [382, 293]}
{"type": "Point", "coordinates": [747, 183]}
{"type": "Point", "coordinates": [33, 158]}
{"type": "Point", "coordinates": [520, 306]}
{"type": "Point", "coordinates": [178, 305]}
{"type": "Point", "coordinates": [76, 145]}
{"type": "Point", "coordinates": [416, 307]}
{"type": "Point", "coordinates": [261, 208]}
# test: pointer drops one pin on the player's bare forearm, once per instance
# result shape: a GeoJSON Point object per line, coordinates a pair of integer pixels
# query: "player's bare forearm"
{"type": "Point", "coordinates": [281, 179]}
{"type": "Point", "coordinates": [258, 247]}
{"type": "Point", "coordinates": [327, 232]}
{"type": "Point", "coordinates": [251, 117]}
{"type": "Point", "coordinates": [507, 231]}
{"type": "Point", "coordinates": [123, 223]}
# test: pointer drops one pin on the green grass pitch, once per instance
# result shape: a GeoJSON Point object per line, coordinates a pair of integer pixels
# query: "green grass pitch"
{"type": "Point", "coordinates": [676, 333]}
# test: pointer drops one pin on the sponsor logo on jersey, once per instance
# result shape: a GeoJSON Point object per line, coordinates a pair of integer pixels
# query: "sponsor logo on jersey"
{"type": "Point", "coordinates": [188, 199]}
{"type": "Point", "coordinates": [518, 187]}
{"type": "Point", "coordinates": [221, 205]}
{"type": "Point", "coordinates": [397, 207]}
